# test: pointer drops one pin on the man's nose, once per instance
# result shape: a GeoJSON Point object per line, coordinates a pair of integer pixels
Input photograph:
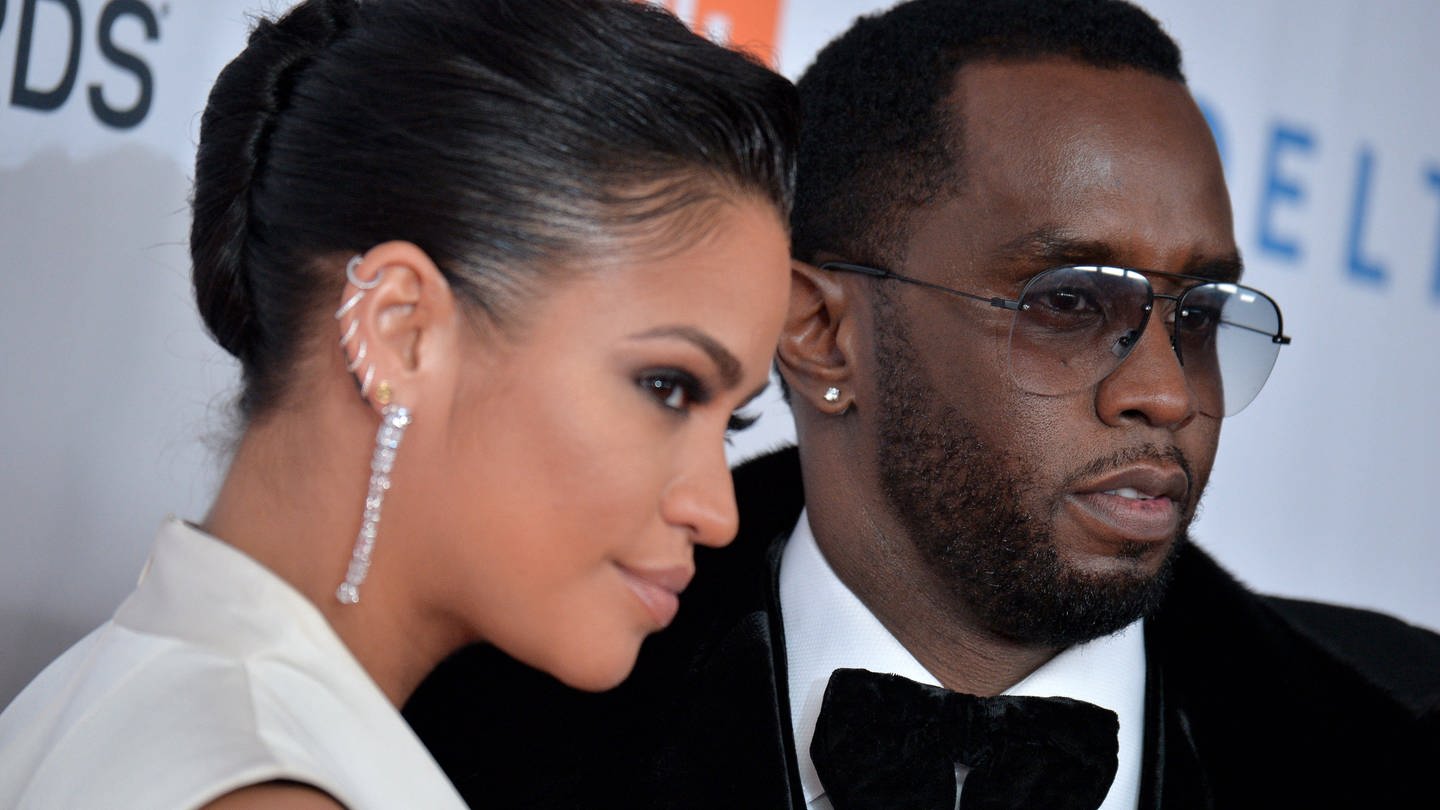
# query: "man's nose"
{"type": "Point", "coordinates": [1149, 385]}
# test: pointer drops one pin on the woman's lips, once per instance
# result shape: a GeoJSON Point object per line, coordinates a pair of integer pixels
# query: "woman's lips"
{"type": "Point", "coordinates": [658, 589]}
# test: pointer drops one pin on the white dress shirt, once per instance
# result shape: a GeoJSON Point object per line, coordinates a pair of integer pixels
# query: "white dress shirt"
{"type": "Point", "coordinates": [828, 628]}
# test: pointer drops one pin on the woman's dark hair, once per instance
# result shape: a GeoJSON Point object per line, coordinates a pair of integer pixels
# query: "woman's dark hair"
{"type": "Point", "coordinates": [503, 137]}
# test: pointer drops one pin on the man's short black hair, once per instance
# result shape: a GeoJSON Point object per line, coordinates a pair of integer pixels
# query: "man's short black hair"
{"type": "Point", "coordinates": [875, 141]}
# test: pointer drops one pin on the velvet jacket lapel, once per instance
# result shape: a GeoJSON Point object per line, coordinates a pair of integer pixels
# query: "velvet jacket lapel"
{"type": "Point", "coordinates": [1265, 702]}
{"type": "Point", "coordinates": [735, 724]}
{"type": "Point", "coordinates": [728, 645]}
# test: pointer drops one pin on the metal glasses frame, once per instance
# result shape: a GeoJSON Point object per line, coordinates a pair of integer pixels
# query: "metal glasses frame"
{"type": "Point", "coordinates": [1014, 305]}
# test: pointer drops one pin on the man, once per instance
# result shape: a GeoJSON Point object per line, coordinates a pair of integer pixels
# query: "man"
{"type": "Point", "coordinates": [1015, 328]}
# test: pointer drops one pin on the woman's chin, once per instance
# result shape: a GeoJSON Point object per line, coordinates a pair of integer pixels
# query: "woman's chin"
{"type": "Point", "coordinates": [594, 673]}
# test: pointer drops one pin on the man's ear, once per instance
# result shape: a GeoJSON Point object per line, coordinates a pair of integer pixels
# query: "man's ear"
{"type": "Point", "coordinates": [816, 353]}
{"type": "Point", "coordinates": [400, 334]}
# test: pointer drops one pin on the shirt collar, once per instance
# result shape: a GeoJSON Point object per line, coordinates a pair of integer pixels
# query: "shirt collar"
{"type": "Point", "coordinates": [827, 627]}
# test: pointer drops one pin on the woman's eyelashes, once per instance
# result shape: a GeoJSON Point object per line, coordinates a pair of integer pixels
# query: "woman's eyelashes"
{"type": "Point", "coordinates": [739, 422]}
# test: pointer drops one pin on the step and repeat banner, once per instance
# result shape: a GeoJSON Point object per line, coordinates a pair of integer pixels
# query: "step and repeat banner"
{"type": "Point", "coordinates": [115, 408]}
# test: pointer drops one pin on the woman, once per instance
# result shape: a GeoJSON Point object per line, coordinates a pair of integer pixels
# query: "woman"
{"type": "Point", "coordinates": [497, 274]}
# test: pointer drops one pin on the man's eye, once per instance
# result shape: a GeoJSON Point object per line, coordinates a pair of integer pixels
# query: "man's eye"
{"type": "Point", "coordinates": [1068, 301]}
{"type": "Point", "coordinates": [1197, 319]}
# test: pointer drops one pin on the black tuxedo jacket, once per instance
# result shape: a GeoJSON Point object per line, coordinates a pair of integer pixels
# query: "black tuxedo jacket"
{"type": "Point", "coordinates": [1251, 701]}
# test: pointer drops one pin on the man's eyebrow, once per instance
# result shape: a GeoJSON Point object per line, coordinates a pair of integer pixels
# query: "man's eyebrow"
{"type": "Point", "coordinates": [1216, 268]}
{"type": "Point", "coordinates": [725, 361]}
{"type": "Point", "coordinates": [1052, 245]}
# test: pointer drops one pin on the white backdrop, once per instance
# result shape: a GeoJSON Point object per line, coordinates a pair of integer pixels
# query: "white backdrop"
{"type": "Point", "coordinates": [115, 407]}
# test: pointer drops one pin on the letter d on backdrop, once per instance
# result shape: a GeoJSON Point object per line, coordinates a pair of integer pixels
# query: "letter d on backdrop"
{"type": "Point", "coordinates": [21, 93]}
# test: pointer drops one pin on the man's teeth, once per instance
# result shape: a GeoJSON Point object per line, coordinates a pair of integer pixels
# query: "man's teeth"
{"type": "Point", "coordinates": [1131, 493]}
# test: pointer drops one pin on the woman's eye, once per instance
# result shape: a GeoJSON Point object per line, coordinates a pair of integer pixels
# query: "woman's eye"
{"type": "Point", "coordinates": [674, 390]}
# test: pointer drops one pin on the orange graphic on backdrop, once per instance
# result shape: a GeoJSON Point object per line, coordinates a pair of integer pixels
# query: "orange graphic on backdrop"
{"type": "Point", "coordinates": [749, 25]}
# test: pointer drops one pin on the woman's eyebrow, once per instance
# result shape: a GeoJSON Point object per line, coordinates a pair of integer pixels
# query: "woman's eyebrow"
{"type": "Point", "coordinates": [725, 361]}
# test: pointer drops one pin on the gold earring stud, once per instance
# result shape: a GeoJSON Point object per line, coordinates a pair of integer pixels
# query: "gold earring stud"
{"type": "Point", "coordinates": [383, 392]}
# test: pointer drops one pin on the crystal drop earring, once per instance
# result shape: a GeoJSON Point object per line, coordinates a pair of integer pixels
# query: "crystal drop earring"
{"type": "Point", "coordinates": [394, 419]}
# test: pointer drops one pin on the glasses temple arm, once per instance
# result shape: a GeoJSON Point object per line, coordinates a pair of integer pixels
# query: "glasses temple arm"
{"type": "Point", "coordinates": [876, 272]}
{"type": "Point", "coordinates": [1283, 340]}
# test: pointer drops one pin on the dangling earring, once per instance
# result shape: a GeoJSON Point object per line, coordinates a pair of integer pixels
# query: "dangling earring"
{"type": "Point", "coordinates": [393, 421]}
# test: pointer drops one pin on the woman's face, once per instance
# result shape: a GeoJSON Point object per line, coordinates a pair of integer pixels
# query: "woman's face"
{"type": "Point", "coordinates": [584, 459]}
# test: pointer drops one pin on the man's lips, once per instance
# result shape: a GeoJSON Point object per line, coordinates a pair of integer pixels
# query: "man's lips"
{"type": "Point", "coordinates": [658, 589]}
{"type": "Point", "coordinates": [1140, 481]}
{"type": "Point", "coordinates": [1140, 503]}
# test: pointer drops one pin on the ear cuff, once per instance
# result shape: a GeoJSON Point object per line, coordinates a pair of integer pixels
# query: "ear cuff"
{"type": "Point", "coordinates": [353, 364]}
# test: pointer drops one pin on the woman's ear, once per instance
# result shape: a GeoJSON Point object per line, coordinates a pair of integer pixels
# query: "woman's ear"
{"type": "Point", "coordinates": [398, 326]}
{"type": "Point", "coordinates": [817, 345]}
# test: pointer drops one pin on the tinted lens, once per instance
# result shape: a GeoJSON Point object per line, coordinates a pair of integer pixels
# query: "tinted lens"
{"type": "Point", "coordinates": [1226, 339]}
{"type": "Point", "coordinates": [1074, 326]}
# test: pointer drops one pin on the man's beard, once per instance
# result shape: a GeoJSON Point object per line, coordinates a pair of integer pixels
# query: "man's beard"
{"type": "Point", "coordinates": [964, 511]}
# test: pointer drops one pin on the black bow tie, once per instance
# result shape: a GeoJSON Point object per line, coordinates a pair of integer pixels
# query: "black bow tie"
{"type": "Point", "coordinates": [884, 742]}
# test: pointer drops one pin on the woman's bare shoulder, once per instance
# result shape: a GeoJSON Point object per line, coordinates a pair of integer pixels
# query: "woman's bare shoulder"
{"type": "Point", "coordinates": [286, 795]}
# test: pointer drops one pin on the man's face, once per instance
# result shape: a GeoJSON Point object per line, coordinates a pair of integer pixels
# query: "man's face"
{"type": "Point", "coordinates": [1050, 519]}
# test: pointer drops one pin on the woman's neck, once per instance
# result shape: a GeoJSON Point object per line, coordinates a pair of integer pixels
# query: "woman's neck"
{"type": "Point", "coordinates": [292, 500]}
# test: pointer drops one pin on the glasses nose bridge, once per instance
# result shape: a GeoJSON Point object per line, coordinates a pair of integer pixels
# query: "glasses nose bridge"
{"type": "Point", "coordinates": [1150, 311]}
{"type": "Point", "coordinates": [1174, 327]}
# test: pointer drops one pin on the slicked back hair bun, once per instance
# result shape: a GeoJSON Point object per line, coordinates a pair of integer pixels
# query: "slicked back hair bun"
{"type": "Point", "coordinates": [244, 105]}
{"type": "Point", "coordinates": [504, 137]}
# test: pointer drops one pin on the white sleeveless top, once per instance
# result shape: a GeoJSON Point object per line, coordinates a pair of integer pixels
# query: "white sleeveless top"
{"type": "Point", "coordinates": [214, 674]}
